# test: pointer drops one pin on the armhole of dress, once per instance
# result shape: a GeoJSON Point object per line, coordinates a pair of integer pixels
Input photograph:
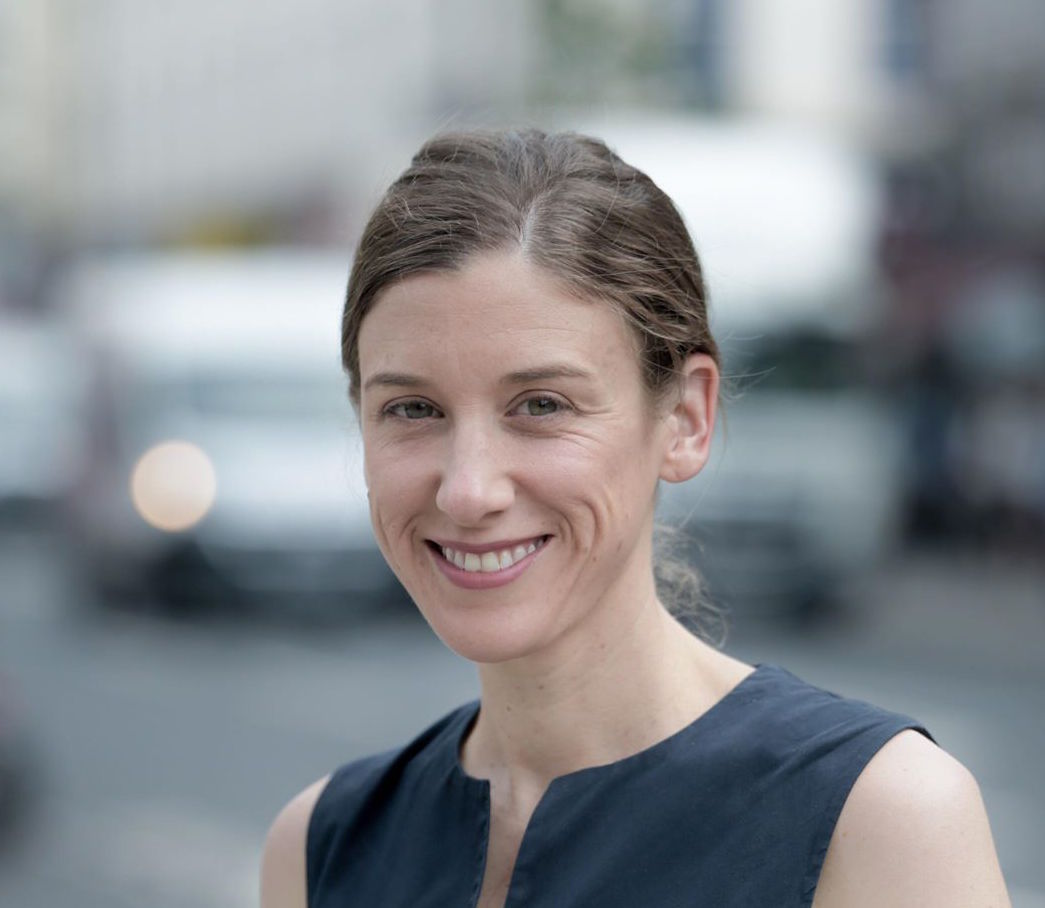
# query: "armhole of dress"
{"type": "Point", "coordinates": [826, 830]}
{"type": "Point", "coordinates": [311, 868]}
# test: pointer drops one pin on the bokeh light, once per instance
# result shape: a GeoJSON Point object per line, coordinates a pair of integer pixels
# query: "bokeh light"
{"type": "Point", "coordinates": [173, 485]}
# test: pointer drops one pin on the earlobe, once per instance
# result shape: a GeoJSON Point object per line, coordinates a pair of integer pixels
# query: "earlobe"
{"type": "Point", "coordinates": [692, 420]}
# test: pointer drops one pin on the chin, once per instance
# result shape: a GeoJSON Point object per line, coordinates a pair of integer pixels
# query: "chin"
{"type": "Point", "coordinates": [489, 633]}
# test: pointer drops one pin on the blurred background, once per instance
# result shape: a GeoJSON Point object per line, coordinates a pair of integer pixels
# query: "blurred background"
{"type": "Point", "coordinates": [194, 619]}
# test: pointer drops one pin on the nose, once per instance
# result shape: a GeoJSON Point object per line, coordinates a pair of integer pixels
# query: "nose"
{"type": "Point", "coordinates": [475, 482]}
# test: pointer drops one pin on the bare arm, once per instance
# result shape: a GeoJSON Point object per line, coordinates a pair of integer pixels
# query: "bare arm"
{"type": "Point", "coordinates": [914, 832]}
{"type": "Point", "coordinates": [283, 859]}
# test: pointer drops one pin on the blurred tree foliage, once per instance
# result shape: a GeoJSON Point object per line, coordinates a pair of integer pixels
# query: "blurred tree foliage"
{"type": "Point", "coordinates": [613, 51]}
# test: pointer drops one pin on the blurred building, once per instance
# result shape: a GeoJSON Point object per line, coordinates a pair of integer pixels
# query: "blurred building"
{"type": "Point", "coordinates": [136, 120]}
{"type": "Point", "coordinates": [193, 121]}
{"type": "Point", "coordinates": [950, 99]}
{"type": "Point", "coordinates": [26, 109]}
{"type": "Point", "coordinates": [28, 159]}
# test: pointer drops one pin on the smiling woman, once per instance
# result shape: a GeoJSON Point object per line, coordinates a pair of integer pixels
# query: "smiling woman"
{"type": "Point", "coordinates": [533, 432]}
{"type": "Point", "coordinates": [526, 340]}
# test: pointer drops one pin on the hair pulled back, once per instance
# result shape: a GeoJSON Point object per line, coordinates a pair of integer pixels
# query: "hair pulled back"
{"type": "Point", "coordinates": [572, 206]}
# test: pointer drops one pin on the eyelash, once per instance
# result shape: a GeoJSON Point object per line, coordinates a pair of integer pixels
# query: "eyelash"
{"type": "Point", "coordinates": [397, 409]}
{"type": "Point", "coordinates": [560, 405]}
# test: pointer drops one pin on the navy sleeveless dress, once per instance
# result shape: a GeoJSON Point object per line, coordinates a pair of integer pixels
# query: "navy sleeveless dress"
{"type": "Point", "coordinates": [736, 809]}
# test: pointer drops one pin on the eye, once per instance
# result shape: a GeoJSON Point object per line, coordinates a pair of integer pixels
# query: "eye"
{"type": "Point", "coordinates": [541, 405]}
{"type": "Point", "coordinates": [411, 409]}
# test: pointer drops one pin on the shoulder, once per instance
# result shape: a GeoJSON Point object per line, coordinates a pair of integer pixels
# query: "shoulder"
{"type": "Point", "coordinates": [340, 815]}
{"type": "Point", "coordinates": [913, 831]}
{"type": "Point", "coordinates": [283, 857]}
{"type": "Point", "coordinates": [318, 810]}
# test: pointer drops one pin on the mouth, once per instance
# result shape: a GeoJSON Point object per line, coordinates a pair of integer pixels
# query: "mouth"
{"type": "Point", "coordinates": [493, 560]}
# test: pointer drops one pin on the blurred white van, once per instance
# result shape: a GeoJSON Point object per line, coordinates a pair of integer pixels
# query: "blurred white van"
{"type": "Point", "coordinates": [802, 495]}
{"type": "Point", "coordinates": [223, 461]}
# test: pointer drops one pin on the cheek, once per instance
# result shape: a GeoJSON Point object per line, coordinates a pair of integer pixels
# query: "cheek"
{"type": "Point", "coordinates": [391, 489]}
{"type": "Point", "coordinates": [607, 485]}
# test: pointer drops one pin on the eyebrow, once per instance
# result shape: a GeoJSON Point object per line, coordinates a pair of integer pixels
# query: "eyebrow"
{"type": "Point", "coordinates": [540, 373]}
{"type": "Point", "coordinates": [519, 377]}
{"type": "Point", "coordinates": [393, 380]}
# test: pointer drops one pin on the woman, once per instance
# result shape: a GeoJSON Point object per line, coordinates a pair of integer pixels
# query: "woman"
{"type": "Point", "coordinates": [527, 346]}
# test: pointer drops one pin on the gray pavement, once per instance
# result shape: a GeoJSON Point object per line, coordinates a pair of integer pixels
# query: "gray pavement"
{"type": "Point", "coordinates": [166, 747]}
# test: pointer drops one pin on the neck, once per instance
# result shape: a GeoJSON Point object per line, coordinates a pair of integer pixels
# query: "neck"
{"type": "Point", "coordinates": [595, 700]}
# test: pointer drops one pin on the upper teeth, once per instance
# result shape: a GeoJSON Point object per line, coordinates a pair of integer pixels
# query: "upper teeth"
{"type": "Point", "coordinates": [491, 561]}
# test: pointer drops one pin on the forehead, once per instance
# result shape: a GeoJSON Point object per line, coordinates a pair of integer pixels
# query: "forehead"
{"type": "Point", "coordinates": [497, 311]}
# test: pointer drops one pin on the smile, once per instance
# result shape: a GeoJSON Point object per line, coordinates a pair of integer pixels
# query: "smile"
{"type": "Point", "coordinates": [491, 561]}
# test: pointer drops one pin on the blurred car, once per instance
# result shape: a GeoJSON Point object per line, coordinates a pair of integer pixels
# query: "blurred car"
{"type": "Point", "coordinates": [223, 462]}
{"type": "Point", "coordinates": [802, 494]}
{"type": "Point", "coordinates": [38, 411]}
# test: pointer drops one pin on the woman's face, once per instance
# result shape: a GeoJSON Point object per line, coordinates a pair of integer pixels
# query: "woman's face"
{"type": "Point", "coordinates": [512, 455]}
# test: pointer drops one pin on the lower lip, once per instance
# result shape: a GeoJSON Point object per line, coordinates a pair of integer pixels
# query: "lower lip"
{"type": "Point", "coordinates": [481, 580]}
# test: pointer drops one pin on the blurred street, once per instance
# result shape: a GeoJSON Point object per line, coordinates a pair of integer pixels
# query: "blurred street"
{"type": "Point", "coordinates": [863, 183]}
{"type": "Point", "coordinates": [165, 747]}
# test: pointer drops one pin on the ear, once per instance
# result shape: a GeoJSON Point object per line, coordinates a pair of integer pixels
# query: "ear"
{"type": "Point", "coordinates": [691, 422]}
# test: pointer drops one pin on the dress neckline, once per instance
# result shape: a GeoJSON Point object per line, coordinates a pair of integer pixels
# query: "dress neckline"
{"type": "Point", "coordinates": [470, 713]}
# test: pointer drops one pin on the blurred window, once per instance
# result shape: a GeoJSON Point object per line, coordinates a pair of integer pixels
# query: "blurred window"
{"type": "Point", "coordinates": [905, 42]}
{"type": "Point", "coordinates": [269, 397]}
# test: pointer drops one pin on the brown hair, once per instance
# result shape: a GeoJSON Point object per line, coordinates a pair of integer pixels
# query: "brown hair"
{"type": "Point", "coordinates": [575, 209]}
{"type": "Point", "coordinates": [571, 205]}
